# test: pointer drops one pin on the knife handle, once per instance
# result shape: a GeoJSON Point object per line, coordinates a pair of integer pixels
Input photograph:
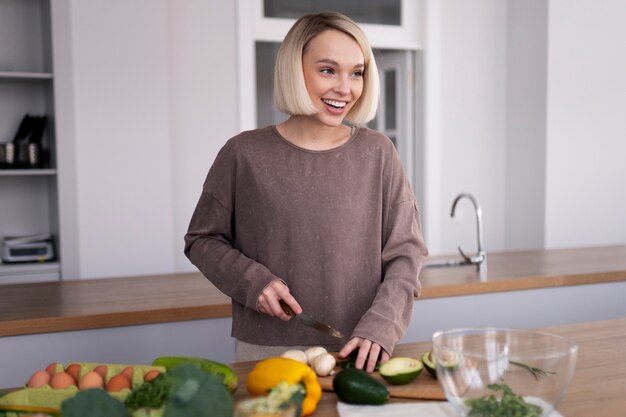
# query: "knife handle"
{"type": "Point", "coordinates": [286, 308]}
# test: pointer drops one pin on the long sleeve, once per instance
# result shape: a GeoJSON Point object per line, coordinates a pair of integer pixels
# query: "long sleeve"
{"type": "Point", "coordinates": [339, 227]}
{"type": "Point", "coordinates": [403, 254]}
{"type": "Point", "coordinates": [210, 240]}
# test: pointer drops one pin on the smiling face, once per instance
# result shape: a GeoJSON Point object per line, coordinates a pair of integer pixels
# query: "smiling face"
{"type": "Point", "coordinates": [333, 66]}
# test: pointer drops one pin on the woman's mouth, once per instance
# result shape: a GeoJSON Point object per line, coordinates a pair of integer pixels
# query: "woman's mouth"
{"type": "Point", "coordinates": [334, 106]}
{"type": "Point", "coordinates": [334, 103]}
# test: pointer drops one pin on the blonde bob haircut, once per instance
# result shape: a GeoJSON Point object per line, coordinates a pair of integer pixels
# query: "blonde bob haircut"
{"type": "Point", "coordinates": [290, 93]}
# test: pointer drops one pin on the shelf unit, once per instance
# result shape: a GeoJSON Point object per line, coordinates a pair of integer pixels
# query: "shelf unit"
{"type": "Point", "coordinates": [28, 197]}
{"type": "Point", "coordinates": [25, 76]}
{"type": "Point", "coordinates": [29, 272]}
{"type": "Point", "coordinates": [26, 172]}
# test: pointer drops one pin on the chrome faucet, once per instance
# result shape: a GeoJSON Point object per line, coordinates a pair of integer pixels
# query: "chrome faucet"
{"type": "Point", "coordinates": [481, 257]}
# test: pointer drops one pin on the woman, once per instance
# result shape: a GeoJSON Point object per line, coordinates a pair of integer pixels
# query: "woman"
{"type": "Point", "coordinates": [313, 212]}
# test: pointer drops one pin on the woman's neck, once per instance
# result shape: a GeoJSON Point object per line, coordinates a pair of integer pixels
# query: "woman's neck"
{"type": "Point", "coordinates": [308, 133]}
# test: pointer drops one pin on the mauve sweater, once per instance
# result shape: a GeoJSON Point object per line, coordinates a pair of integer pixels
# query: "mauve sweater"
{"type": "Point", "coordinates": [340, 227]}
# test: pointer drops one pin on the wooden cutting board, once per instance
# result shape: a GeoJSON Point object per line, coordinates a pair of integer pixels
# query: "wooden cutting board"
{"type": "Point", "coordinates": [424, 387]}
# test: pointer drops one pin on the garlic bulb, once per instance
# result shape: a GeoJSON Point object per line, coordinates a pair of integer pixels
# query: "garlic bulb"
{"type": "Point", "coordinates": [296, 355]}
{"type": "Point", "coordinates": [324, 364]}
{"type": "Point", "coordinates": [312, 352]}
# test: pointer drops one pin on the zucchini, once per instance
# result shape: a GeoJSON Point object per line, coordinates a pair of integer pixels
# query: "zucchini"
{"type": "Point", "coordinates": [218, 369]}
{"type": "Point", "coordinates": [355, 386]}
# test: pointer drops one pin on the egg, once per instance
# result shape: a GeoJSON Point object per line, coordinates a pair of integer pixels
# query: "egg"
{"type": "Point", "coordinates": [102, 370]}
{"type": "Point", "coordinates": [91, 380]}
{"type": "Point", "coordinates": [117, 383]}
{"type": "Point", "coordinates": [62, 380]}
{"type": "Point", "coordinates": [38, 379]}
{"type": "Point", "coordinates": [150, 375]}
{"type": "Point", "coordinates": [74, 371]}
{"type": "Point", "coordinates": [52, 368]}
{"type": "Point", "coordinates": [128, 373]}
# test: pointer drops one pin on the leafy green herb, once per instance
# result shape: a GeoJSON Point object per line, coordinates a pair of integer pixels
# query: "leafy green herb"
{"type": "Point", "coordinates": [152, 394]}
{"type": "Point", "coordinates": [93, 403]}
{"type": "Point", "coordinates": [184, 391]}
{"type": "Point", "coordinates": [510, 405]}
{"type": "Point", "coordinates": [536, 372]}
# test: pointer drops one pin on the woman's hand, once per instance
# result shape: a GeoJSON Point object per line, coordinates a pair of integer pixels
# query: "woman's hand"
{"type": "Point", "coordinates": [368, 353]}
{"type": "Point", "coordinates": [269, 300]}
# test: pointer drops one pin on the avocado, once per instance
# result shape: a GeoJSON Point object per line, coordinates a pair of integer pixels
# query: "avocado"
{"type": "Point", "coordinates": [401, 370]}
{"type": "Point", "coordinates": [430, 363]}
{"type": "Point", "coordinates": [350, 361]}
{"type": "Point", "coordinates": [355, 386]}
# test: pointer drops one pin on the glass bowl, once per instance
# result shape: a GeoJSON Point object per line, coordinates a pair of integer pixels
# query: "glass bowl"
{"type": "Point", "coordinates": [492, 372]}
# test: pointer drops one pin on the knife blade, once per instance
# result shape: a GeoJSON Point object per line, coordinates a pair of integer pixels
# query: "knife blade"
{"type": "Point", "coordinates": [311, 322]}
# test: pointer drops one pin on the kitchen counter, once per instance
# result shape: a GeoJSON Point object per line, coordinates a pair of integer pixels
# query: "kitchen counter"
{"type": "Point", "coordinates": [104, 303]}
{"type": "Point", "coordinates": [597, 388]}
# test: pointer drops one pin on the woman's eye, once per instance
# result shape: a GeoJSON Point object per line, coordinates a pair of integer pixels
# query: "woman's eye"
{"type": "Point", "coordinates": [357, 74]}
{"type": "Point", "coordinates": [328, 71]}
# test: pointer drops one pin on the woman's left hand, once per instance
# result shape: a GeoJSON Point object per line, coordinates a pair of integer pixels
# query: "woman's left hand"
{"type": "Point", "coordinates": [368, 353]}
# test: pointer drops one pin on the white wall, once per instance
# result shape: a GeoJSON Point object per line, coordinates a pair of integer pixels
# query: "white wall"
{"type": "Point", "coordinates": [472, 129]}
{"type": "Point", "coordinates": [532, 122]}
{"type": "Point", "coordinates": [122, 137]}
{"type": "Point", "coordinates": [586, 146]}
{"type": "Point", "coordinates": [153, 97]}
{"type": "Point", "coordinates": [150, 95]}
{"type": "Point", "coordinates": [525, 169]}
{"type": "Point", "coordinates": [203, 112]}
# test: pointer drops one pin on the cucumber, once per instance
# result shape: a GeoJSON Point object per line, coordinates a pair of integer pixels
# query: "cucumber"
{"type": "Point", "coordinates": [220, 370]}
{"type": "Point", "coordinates": [400, 370]}
{"type": "Point", "coordinates": [355, 386]}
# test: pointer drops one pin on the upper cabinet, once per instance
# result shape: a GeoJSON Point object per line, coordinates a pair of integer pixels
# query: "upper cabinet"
{"type": "Point", "coordinates": [28, 175]}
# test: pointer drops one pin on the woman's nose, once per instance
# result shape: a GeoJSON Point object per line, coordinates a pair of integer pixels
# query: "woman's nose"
{"type": "Point", "coordinates": [343, 85]}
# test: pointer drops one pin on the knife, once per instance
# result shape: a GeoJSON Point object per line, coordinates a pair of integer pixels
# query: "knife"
{"type": "Point", "coordinates": [311, 322]}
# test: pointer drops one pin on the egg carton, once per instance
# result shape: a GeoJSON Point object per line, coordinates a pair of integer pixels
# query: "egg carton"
{"type": "Point", "coordinates": [49, 398]}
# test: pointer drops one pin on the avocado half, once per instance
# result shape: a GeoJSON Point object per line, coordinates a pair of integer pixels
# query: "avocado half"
{"type": "Point", "coordinates": [430, 362]}
{"type": "Point", "coordinates": [401, 370]}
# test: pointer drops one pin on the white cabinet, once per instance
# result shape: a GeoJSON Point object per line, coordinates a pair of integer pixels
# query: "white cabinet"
{"type": "Point", "coordinates": [28, 196]}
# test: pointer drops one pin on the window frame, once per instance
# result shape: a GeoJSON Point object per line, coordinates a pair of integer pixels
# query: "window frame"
{"type": "Point", "coordinates": [253, 27]}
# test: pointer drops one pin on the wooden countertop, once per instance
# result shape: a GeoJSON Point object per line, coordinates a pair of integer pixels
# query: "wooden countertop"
{"type": "Point", "coordinates": [597, 389]}
{"type": "Point", "coordinates": [90, 304]}
{"type": "Point", "coordinates": [511, 271]}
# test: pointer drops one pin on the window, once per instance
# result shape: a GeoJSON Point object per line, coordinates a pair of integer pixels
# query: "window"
{"type": "Point", "coordinates": [379, 12]}
{"type": "Point", "coordinates": [393, 29]}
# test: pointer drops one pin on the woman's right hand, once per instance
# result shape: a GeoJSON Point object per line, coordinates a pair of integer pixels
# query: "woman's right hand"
{"type": "Point", "coordinates": [269, 300]}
